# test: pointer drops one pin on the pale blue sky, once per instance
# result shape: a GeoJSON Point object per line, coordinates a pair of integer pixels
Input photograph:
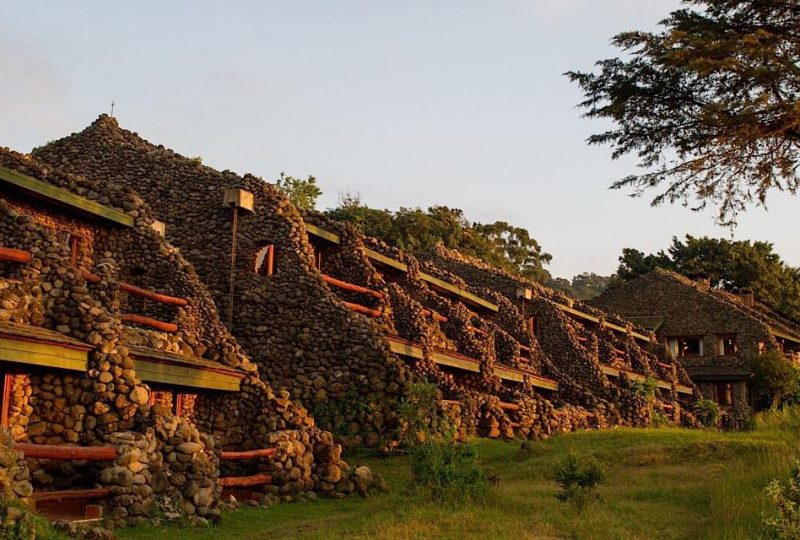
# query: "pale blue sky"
{"type": "Point", "coordinates": [408, 103]}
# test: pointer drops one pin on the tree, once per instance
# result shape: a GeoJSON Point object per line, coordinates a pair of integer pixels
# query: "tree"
{"type": "Point", "coordinates": [776, 380]}
{"type": "Point", "coordinates": [417, 231]}
{"type": "Point", "coordinates": [583, 286]}
{"type": "Point", "coordinates": [302, 193]}
{"type": "Point", "coordinates": [709, 104]}
{"type": "Point", "coordinates": [729, 265]}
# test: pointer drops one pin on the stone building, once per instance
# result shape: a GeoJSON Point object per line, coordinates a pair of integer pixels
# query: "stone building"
{"type": "Point", "coordinates": [122, 389]}
{"type": "Point", "coordinates": [714, 333]}
{"type": "Point", "coordinates": [348, 324]}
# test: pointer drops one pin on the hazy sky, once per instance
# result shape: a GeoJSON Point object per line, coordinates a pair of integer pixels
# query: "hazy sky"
{"type": "Point", "coordinates": [408, 103]}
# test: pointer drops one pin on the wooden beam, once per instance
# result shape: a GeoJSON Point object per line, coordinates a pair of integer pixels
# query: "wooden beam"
{"type": "Point", "coordinates": [155, 370]}
{"type": "Point", "coordinates": [248, 454]}
{"type": "Point", "coordinates": [138, 291]}
{"type": "Point", "coordinates": [441, 284]}
{"type": "Point", "coordinates": [364, 310]}
{"type": "Point", "coordinates": [131, 318]}
{"type": "Point", "coordinates": [260, 479]}
{"type": "Point", "coordinates": [451, 359]}
{"type": "Point", "coordinates": [63, 197]}
{"type": "Point", "coordinates": [611, 371]}
{"type": "Point", "coordinates": [36, 353]}
{"type": "Point", "coordinates": [778, 333]}
{"type": "Point", "coordinates": [71, 494]}
{"type": "Point", "coordinates": [386, 261]}
{"type": "Point", "coordinates": [508, 373]}
{"type": "Point", "coordinates": [67, 453]}
{"type": "Point", "coordinates": [509, 406]}
{"type": "Point", "coordinates": [319, 232]}
{"type": "Point", "coordinates": [15, 255]}
{"type": "Point", "coordinates": [352, 287]}
{"type": "Point", "coordinates": [592, 318]}
{"type": "Point", "coordinates": [463, 295]}
{"type": "Point", "coordinates": [405, 348]}
{"type": "Point", "coordinates": [8, 381]}
{"type": "Point", "coordinates": [154, 296]}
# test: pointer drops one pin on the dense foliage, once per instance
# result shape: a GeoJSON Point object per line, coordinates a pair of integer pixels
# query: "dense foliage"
{"type": "Point", "coordinates": [709, 104]}
{"type": "Point", "coordinates": [784, 523]}
{"type": "Point", "coordinates": [730, 265]}
{"type": "Point", "coordinates": [577, 479]}
{"type": "Point", "coordinates": [416, 230]}
{"type": "Point", "coordinates": [583, 286]}
{"type": "Point", "coordinates": [776, 380]}
{"type": "Point", "coordinates": [303, 193]}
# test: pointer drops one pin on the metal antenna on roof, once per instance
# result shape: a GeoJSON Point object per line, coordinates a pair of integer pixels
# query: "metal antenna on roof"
{"type": "Point", "coordinates": [112, 107]}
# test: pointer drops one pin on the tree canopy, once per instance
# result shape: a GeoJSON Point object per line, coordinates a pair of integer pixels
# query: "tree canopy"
{"type": "Point", "coordinates": [303, 193]}
{"type": "Point", "coordinates": [729, 265]}
{"type": "Point", "coordinates": [416, 230]}
{"type": "Point", "coordinates": [709, 104]}
{"type": "Point", "coordinates": [582, 286]}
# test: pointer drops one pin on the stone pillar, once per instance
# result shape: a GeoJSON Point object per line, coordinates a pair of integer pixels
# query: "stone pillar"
{"type": "Point", "coordinates": [129, 477]}
{"type": "Point", "coordinates": [15, 483]}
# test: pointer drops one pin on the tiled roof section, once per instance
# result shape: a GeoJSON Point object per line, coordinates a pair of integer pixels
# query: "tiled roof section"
{"type": "Point", "coordinates": [757, 310]}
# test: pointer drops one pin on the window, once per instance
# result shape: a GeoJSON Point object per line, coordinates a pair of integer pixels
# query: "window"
{"type": "Point", "coordinates": [724, 393]}
{"type": "Point", "coordinates": [682, 347]}
{"type": "Point", "coordinates": [726, 345]}
{"type": "Point", "coordinates": [265, 261]}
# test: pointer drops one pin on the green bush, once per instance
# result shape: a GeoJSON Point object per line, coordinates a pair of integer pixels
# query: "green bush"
{"type": "Point", "coordinates": [448, 472]}
{"type": "Point", "coordinates": [776, 380]}
{"type": "Point", "coordinates": [577, 480]}
{"type": "Point", "coordinates": [645, 389]}
{"type": "Point", "coordinates": [24, 525]}
{"type": "Point", "coordinates": [784, 523]}
{"type": "Point", "coordinates": [420, 417]}
{"type": "Point", "coordinates": [707, 412]}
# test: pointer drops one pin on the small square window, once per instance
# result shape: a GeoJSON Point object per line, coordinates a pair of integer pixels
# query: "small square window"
{"type": "Point", "coordinates": [726, 345]}
{"type": "Point", "coordinates": [682, 347]}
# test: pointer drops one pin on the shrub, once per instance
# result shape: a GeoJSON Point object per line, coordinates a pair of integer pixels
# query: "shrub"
{"type": "Point", "coordinates": [448, 472]}
{"type": "Point", "coordinates": [577, 479]}
{"type": "Point", "coordinates": [24, 525]}
{"type": "Point", "coordinates": [420, 417]}
{"type": "Point", "coordinates": [645, 389]}
{"type": "Point", "coordinates": [784, 524]}
{"type": "Point", "coordinates": [658, 420]}
{"type": "Point", "coordinates": [776, 380]}
{"type": "Point", "coordinates": [707, 412]}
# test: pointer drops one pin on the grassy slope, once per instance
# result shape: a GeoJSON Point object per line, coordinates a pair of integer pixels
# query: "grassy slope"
{"type": "Point", "coordinates": [664, 483]}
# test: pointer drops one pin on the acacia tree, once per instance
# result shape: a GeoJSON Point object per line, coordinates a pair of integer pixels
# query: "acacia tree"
{"type": "Point", "coordinates": [709, 104]}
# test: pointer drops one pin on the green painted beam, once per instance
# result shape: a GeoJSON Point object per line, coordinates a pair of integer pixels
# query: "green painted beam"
{"type": "Point", "coordinates": [472, 365]}
{"type": "Point", "coordinates": [50, 355]}
{"type": "Point", "coordinates": [466, 296]}
{"type": "Point", "coordinates": [443, 285]}
{"type": "Point", "coordinates": [593, 318]}
{"type": "Point", "coordinates": [62, 196]}
{"type": "Point", "coordinates": [196, 377]}
{"type": "Point", "coordinates": [457, 361]}
{"type": "Point", "coordinates": [383, 259]}
{"type": "Point", "coordinates": [665, 385]}
{"type": "Point", "coordinates": [510, 374]}
{"type": "Point", "coordinates": [322, 233]}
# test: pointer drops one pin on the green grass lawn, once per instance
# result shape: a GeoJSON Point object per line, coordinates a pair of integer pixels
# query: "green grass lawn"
{"type": "Point", "coordinates": [660, 483]}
